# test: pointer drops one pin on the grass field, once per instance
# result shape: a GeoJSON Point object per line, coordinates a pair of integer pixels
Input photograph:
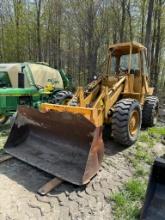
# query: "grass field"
{"type": "Point", "coordinates": [128, 202]}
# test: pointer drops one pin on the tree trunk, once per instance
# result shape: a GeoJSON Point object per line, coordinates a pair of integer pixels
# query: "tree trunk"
{"type": "Point", "coordinates": [152, 67]}
{"type": "Point", "coordinates": [90, 37]}
{"type": "Point", "coordinates": [82, 55]}
{"type": "Point", "coordinates": [59, 38]}
{"type": "Point", "coordinates": [142, 20]}
{"type": "Point", "coordinates": [123, 17]}
{"type": "Point", "coordinates": [2, 41]}
{"type": "Point", "coordinates": [157, 48]}
{"type": "Point", "coordinates": [149, 29]}
{"type": "Point", "coordinates": [130, 21]}
{"type": "Point", "coordinates": [38, 8]}
{"type": "Point", "coordinates": [17, 8]}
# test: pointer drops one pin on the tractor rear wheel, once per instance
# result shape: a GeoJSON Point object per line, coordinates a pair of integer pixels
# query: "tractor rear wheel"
{"type": "Point", "coordinates": [126, 121]}
{"type": "Point", "coordinates": [3, 119]}
{"type": "Point", "coordinates": [150, 111]}
{"type": "Point", "coordinates": [61, 97]}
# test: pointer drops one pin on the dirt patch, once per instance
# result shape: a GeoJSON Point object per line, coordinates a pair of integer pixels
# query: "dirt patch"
{"type": "Point", "coordinates": [20, 182]}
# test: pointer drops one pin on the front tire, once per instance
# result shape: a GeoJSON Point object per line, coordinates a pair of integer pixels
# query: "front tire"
{"type": "Point", "coordinates": [126, 121]}
{"type": "Point", "coordinates": [150, 111]}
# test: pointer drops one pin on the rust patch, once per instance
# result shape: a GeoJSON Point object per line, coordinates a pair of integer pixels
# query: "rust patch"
{"type": "Point", "coordinates": [63, 144]}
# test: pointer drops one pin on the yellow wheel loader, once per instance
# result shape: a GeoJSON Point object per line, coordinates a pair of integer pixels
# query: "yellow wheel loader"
{"type": "Point", "coordinates": [66, 140]}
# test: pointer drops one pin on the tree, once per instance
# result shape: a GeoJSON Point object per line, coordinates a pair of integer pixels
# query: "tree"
{"type": "Point", "coordinates": [149, 29]}
{"type": "Point", "coordinates": [75, 34]}
{"type": "Point", "coordinates": [38, 26]}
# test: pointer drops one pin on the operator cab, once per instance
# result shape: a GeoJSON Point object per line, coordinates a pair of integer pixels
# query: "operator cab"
{"type": "Point", "coordinates": [127, 58]}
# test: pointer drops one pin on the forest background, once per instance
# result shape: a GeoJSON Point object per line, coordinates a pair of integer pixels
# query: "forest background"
{"type": "Point", "coordinates": [75, 34]}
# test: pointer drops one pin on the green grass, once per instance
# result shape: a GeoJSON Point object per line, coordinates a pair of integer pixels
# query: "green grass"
{"type": "Point", "coordinates": [157, 131]}
{"type": "Point", "coordinates": [135, 188]}
{"type": "Point", "coordinates": [152, 135]}
{"type": "Point", "coordinates": [144, 137]}
{"type": "Point", "coordinates": [144, 156]}
{"type": "Point", "coordinates": [140, 171]}
{"type": "Point", "coordinates": [127, 203]}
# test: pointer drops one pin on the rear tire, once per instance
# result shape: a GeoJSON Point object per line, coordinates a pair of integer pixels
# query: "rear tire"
{"type": "Point", "coordinates": [61, 97]}
{"type": "Point", "coordinates": [126, 121]}
{"type": "Point", "coordinates": [150, 111]}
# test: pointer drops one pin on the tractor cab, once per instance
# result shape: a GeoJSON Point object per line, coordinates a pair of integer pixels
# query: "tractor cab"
{"type": "Point", "coordinates": [127, 58]}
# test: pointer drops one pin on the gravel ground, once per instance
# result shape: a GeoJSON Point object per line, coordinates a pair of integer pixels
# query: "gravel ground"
{"type": "Point", "coordinates": [19, 183]}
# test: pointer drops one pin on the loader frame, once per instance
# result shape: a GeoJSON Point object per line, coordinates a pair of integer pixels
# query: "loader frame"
{"type": "Point", "coordinates": [99, 108]}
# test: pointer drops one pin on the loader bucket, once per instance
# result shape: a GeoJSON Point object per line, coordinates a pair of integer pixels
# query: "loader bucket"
{"type": "Point", "coordinates": [63, 144]}
{"type": "Point", "coordinates": [154, 205]}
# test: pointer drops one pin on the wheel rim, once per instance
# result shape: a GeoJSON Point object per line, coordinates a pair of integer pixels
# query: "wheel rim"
{"type": "Point", "coordinates": [134, 123]}
{"type": "Point", "coordinates": [2, 118]}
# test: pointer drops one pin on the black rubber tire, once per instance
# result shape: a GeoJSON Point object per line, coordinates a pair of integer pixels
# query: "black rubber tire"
{"type": "Point", "coordinates": [61, 96]}
{"type": "Point", "coordinates": [150, 111]}
{"type": "Point", "coordinates": [120, 121]}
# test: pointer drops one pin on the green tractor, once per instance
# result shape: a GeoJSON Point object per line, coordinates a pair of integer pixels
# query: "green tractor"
{"type": "Point", "coordinates": [30, 84]}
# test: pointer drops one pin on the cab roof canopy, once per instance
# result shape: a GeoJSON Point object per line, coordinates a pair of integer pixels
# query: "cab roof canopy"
{"type": "Point", "coordinates": [124, 48]}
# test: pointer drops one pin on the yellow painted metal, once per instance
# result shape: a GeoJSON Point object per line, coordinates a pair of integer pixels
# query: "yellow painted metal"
{"type": "Point", "coordinates": [102, 94]}
{"type": "Point", "coordinates": [129, 62]}
{"type": "Point", "coordinates": [92, 114]}
{"type": "Point", "coordinates": [81, 97]}
{"type": "Point", "coordinates": [136, 47]}
{"type": "Point", "coordinates": [150, 90]}
{"type": "Point", "coordinates": [112, 99]}
{"type": "Point", "coordinates": [117, 84]}
{"type": "Point", "coordinates": [99, 102]}
{"type": "Point", "coordinates": [134, 123]}
{"type": "Point", "coordinates": [92, 95]}
{"type": "Point", "coordinates": [98, 112]}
